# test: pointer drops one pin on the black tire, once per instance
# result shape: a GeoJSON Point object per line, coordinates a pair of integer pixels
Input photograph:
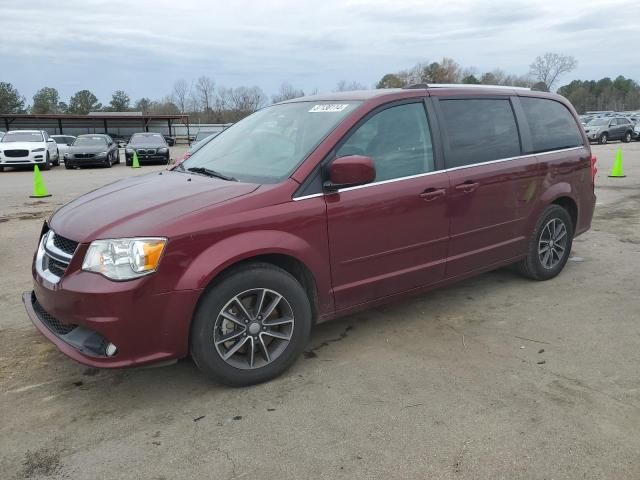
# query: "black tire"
{"type": "Point", "coordinates": [627, 137]}
{"type": "Point", "coordinates": [234, 283]}
{"type": "Point", "coordinates": [1, 169]}
{"type": "Point", "coordinates": [47, 163]}
{"type": "Point", "coordinates": [67, 166]}
{"type": "Point", "coordinates": [128, 162]}
{"type": "Point", "coordinates": [57, 162]}
{"type": "Point", "coordinates": [532, 266]}
{"type": "Point", "coordinates": [108, 161]}
{"type": "Point", "coordinates": [603, 139]}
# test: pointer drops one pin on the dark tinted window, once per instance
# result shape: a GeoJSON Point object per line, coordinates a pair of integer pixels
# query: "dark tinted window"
{"type": "Point", "coordinates": [552, 126]}
{"type": "Point", "coordinates": [397, 139]}
{"type": "Point", "coordinates": [479, 130]}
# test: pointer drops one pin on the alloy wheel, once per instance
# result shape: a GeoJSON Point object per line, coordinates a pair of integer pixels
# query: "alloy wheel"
{"type": "Point", "coordinates": [253, 328]}
{"type": "Point", "coordinates": [552, 244]}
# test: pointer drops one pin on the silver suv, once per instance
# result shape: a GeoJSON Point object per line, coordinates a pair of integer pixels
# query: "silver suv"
{"type": "Point", "coordinates": [603, 129]}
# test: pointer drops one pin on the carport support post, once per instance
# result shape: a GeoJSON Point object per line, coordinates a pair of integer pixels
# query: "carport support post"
{"type": "Point", "coordinates": [188, 132]}
{"type": "Point", "coordinates": [169, 124]}
{"type": "Point", "coordinates": [6, 124]}
{"type": "Point", "coordinates": [105, 125]}
{"type": "Point", "coordinates": [60, 126]}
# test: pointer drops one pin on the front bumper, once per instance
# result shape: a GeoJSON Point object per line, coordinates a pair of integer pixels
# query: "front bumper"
{"type": "Point", "coordinates": [84, 312]}
{"type": "Point", "coordinates": [593, 136]}
{"type": "Point", "coordinates": [158, 157]}
{"type": "Point", "coordinates": [32, 159]}
{"type": "Point", "coordinates": [85, 162]}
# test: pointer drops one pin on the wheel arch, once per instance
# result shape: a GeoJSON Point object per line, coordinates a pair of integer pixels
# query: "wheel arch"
{"type": "Point", "coordinates": [571, 206]}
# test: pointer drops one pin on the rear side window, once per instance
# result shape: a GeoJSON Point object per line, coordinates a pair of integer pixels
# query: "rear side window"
{"type": "Point", "coordinates": [479, 130]}
{"type": "Point", "coordinates": [398, 141]}
{"type": "Point", "coordinates": [552, 126]}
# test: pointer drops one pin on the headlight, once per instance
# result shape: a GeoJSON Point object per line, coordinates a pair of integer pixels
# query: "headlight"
{"type": "Point", "coordinates": [163, 150]}
{"type": "Point", "coordinates": [102, 154]}
{"type": "Point", "coordinates": [124, 258]}
{"type": "Point", "coordinates": [129, 150]}
{"type": "Point", "coordinates": [67, 155]}
{"type": "Point", "coordinates": [38, 150]}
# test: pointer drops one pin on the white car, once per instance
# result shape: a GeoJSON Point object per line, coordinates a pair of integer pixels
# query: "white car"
{"type": "Point", "coordinates": [28, 147]}
{"type": "Point", "coordinates": [64, 142]}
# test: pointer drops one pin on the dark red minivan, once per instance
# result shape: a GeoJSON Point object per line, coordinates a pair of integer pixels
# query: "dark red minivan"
{"type": "Point", "coordinates": [308, 210]}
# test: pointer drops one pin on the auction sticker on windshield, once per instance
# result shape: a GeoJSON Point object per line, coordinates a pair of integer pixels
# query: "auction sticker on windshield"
{"type": "Point", "coordinates": [329, 108]}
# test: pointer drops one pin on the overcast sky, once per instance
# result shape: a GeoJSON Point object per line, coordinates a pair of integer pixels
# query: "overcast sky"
{"type": "Point", "coordinates": [143, 46]}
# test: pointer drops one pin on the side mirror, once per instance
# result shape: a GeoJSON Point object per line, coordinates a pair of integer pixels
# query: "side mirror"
{"type": "Point", "coordinates": [68, 144]}
{"type": "Point", "coordinates": [51, 140]}
{"type": "Point", "coordinates": [350, 171]}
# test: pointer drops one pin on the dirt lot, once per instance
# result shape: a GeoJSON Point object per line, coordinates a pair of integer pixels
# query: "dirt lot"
{"type": "Point", "coordinates": [495, 378]}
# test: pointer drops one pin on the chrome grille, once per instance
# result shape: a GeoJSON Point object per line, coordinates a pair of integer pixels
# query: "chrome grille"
{"type": "Point", "coordinates": [64, 244]}
{"type": "Point", "coordinates": [84, 155]}
{"type": "Point", "coordinates": [54, 255]}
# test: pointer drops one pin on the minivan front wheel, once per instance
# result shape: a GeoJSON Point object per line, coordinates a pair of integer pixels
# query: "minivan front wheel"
{"type": "Point", "coordinates": [251, 325]}
{"type": "Point", "coordinates": [549, 246]}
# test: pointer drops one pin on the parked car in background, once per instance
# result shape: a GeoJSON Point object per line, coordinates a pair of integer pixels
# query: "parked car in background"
{"type": "Point", "coordinates": [171, 141]}
{"type": "Point", "coordinates": [195, 147]}
{"type": "Point", "coordinates": [604, 129]}
{"type": "Point", "coordinates": [150, 148]}
{"type": "Point", "coordinates": [309, 210]}
{"type": "Point", "coordinates": [64, 142]}
{"type": "Point", "coordinates": [92, 150]}
{"type": "Point", "coordinates": [201, 135]}
{"type": "Point", "coordinates": [121, 140]}
{"type": "Point", "coordinates": [636, 131]}
{"type": "Point", "coordinates": [27, 148]}
{"type": "Point", "coordinates": [584, 119]}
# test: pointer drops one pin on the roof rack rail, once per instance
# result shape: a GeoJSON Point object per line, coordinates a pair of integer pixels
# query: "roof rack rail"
{"type": "Point", "coordinates": [462, 85]}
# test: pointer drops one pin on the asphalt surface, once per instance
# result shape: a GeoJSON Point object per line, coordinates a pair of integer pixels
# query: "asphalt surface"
{"type": "Point", "coordinates": [497, 377]}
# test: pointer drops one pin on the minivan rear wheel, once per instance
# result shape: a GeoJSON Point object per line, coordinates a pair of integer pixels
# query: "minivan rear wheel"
{"type": "Point", "coordinates": [250, 325]}
{"type": "Point", "coordinates": [549, 246]}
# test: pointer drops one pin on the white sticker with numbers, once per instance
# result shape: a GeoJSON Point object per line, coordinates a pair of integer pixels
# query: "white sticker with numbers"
{"type": "Point", "coordinates": [329, 108]}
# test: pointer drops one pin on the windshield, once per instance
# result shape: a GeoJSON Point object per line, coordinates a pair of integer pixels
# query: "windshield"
{"type": "Point", "coordinates": [22, 137]}
{"type": "Point", "coordinates": [147, 140]}
{"type": "Point", "coordinates": [599, 122]}
{"type": "Point", "coordinates": [267, 146]}
{"type": "Point", "coordinates": [89, 142]}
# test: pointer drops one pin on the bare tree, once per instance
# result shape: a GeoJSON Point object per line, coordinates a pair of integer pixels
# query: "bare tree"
{"type": "Point", "coordinates": [205, 88]}
{"type": "Point", "coordinates": [550, 66]}
{"type": "Point", "coordinates": [287, 92]}
{"type": "Point", "coordinates": [180, 94]}
{"type": "Point", "coordinates": [344, 86]}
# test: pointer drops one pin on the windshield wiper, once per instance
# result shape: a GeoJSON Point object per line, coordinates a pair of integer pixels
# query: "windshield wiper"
{"type": "Point", "coordinates": [211, 173]}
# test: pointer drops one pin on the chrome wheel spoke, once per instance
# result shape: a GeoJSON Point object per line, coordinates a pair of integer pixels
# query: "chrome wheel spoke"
{"type": "Point", "coordinates": [231, 318]}
{"type": "Point", "coordinates": [229, 336]}
{"type": "Point", "coordinates": [272, 306]}
{"type": "Point", "coordinates": [235, 348]}
{"type": "Point", "coordinates": [242, 307]}
{"type": "Point", "coordinates": [265, 349]}
{"type": "Point", "coordinates": [260, 302]}
{"type": "Point", "coordinates": [278, 335]}
{"type": "Point", "coordinates": [252, 353]}
{"type": "Point", "coordinates": [278, 321]}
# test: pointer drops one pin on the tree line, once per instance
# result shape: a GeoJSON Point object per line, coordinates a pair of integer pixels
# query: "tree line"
{"type": "Point", "coordinates": [206, 102]}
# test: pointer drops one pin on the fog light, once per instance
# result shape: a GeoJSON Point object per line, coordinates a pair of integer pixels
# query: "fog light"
{"type": "Point", "coordinates": [110, 350]}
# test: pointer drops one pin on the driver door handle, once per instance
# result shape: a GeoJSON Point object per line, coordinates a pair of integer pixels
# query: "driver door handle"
{"type": "Point", "coordinates": [467, 187]}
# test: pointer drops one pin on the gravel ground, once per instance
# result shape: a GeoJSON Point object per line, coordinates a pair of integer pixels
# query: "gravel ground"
{"type": "Point", "coordinates": [497, 377]}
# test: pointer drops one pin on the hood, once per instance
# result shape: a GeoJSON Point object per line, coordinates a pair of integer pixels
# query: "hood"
{"type": "Point", "coordinates": [141, 206]}
{"type": "Point", "coordinates": [88, 148]}
{"type": "Point", "coordinates": [22, 145]}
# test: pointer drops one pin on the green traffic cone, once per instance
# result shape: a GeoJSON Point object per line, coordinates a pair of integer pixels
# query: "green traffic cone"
{"type": "Point", "coordinates": [616, 170]}
{"type": "Point", "coordinates": [136, 162]}
{"type": "Point", "coordinates": [39, 190]}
